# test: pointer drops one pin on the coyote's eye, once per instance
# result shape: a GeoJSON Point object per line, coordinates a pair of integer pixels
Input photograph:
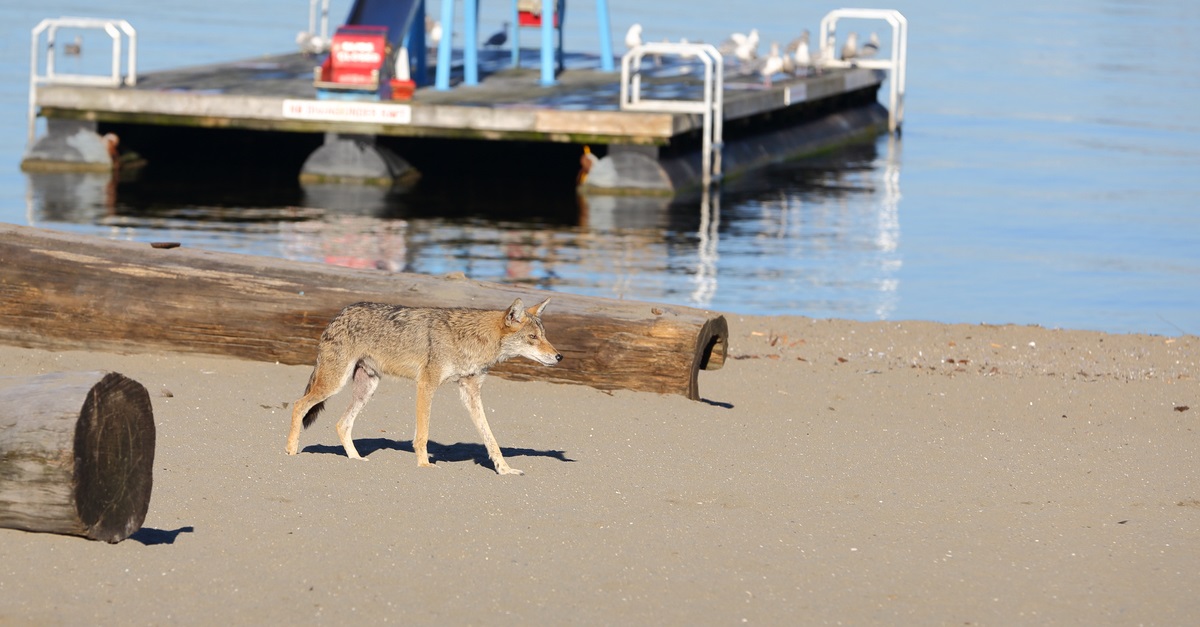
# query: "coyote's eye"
{"type": "Point", "coordinates": [533, 336]}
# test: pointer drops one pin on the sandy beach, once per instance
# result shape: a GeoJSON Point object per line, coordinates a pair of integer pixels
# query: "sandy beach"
{"type": "Point", "coordinates": [835, 473]}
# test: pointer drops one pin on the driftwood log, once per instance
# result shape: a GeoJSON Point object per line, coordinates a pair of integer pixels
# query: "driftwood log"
{"type": "Point", "coordinates": [60, 290]}
{"type": "Point", "coordinates": [76, 454]}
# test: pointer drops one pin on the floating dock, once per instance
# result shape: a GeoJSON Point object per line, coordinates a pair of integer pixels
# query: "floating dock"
{"type": "Point", "coordinates": [677, 117]}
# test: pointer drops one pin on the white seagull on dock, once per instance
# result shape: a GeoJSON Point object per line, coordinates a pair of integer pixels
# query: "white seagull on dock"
{"type": "Point", "coordinates": [433, 32]}
{"type": "Point", "coordinates": [798, 53]}
{"type": "Point", "coordinates": [747, 50]}
{"type": "Point", "coordinates": [633, 36]}
{"type": "Point", "coordinates": [740, 45]}
{"type": "Point", "coordinates": [871, 48]}
{"type": "Point", "coordinates": [850, 48]}
{"type": "Point", "coordinates": [825, 53]}
{"type": "Point", "coordinates": [311, 44]}
{"type": "Point", "coordinates": [772, 65]}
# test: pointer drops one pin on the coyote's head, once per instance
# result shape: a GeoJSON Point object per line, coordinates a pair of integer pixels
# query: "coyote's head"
{"type": "Point", "coordinates": [526, 337]}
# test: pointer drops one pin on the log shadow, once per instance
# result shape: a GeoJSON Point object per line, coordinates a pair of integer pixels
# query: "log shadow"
{"type": "Point", "coordinates": [150, 536]}
{"type": "Point", "coordinates": [458, 452]}
{"type": "Point", "coordinates": [721, 404]}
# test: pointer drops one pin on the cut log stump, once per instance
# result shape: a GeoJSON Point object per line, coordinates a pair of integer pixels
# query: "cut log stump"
{"type": "Point", "coordinates": [76, 454]}
{"type": "Point", "coordinates": [66, 291]}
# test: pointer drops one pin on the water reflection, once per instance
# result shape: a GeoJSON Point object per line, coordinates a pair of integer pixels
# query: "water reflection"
{"type": "Point", "coordinates": [68, 197]}
{"type": "Point", "coordinates": [819, 237]}
{"type": "Point", "coordinates": [610, 213]}
{"type": "Point", "coordinates": [364, 200]}
{"type": "Point", "coordinates": [706, 252]}
{"type": "Point", "coordinates": [888, 236]}
{"type": "Point", "coordinates": [353, 241]}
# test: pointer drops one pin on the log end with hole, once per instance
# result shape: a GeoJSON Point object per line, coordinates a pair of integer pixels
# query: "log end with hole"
{"type": "Point", "coordinates": [76, 454]}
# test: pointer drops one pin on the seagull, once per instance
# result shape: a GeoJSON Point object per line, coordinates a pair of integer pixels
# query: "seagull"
{"type": "Point", "coordinates": [825, 54]}
{"type": "Point", "coordinates": [75, 48]}
{"type": "Point", "coordinates": [772, 65]}
{"type": "Point", "coordinates": [871, 48]}
{"type": "Point", "coordinates": [850, 48]}
{"type": "Point", "coordinates": [796, 43]}
{"type": "Point", "coordinates": [498, 38]}
{"type": "Point", "coordinates": [633, 36]}
{"type": "Point", "coordinates": [726, 47]}
{"type": "Point", "coordinates": [433, 32]}
{"type": "Point", "coordinates": [797, 49]}
{"type": "Point", "coordinates": [744, 47]}
{"type": "Point", "coordinates": [819, 56]}
{"type": "Point", "coordinates": [747, 50]}
{"type": "Point", "coordinates": [310, 43]}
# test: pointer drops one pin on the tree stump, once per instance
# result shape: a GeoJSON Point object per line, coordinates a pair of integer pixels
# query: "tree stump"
{"type": "Point", "coordinates": [76, 454]}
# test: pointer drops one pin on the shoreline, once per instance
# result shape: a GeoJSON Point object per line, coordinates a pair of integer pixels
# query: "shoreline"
{"type": "Point", "coordinates": [861, 472]}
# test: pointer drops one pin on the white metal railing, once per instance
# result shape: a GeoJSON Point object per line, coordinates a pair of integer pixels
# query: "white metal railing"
{"type": "Point", "coordinates": [323, 33]}
{"type": "Point", "coordinates": [711, 106]}
{"type": "Point", "coordinates": [895, 65]}
{"type": "Point", "coordinates": [117, 30]}
{"type": "Point", "coordinates": [315, 23]}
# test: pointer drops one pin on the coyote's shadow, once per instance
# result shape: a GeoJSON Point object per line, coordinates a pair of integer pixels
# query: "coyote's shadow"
{"type": "Point", "coordinates": [458, 452]}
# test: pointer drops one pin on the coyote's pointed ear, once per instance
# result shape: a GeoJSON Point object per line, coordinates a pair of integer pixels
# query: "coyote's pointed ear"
{"type": "Point", "coordinates": [536, 311]}
{"type": "Point", "coordinates": [515, 314]}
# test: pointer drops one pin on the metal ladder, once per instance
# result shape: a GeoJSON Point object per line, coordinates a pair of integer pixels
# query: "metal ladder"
{"type": "Point", "coordinates": [117, 30]}
{"type": "Point", "coordinates": [895, 65]}
{"type": "Point", "coordinates": [711, 106]}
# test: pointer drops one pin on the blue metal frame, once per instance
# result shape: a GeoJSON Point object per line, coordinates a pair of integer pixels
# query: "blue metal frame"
{"type": "Point", "coordinates": [606, 51]}
{"type": "Point", "coordinates": [551, 55]}
{"type": "Point", "coordinates": [442, 80]}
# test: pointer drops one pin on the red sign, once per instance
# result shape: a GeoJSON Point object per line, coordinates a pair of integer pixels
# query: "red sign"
{"type": "Point", "coordinates": [356, 55]}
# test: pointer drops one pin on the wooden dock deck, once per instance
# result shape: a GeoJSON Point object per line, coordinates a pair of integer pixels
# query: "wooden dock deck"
{"type": "Point", "coordinates": [275, 94]}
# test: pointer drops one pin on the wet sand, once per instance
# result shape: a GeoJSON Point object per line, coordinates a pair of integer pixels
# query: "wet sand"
{"type": "Point", "coordinates": [836, 473]}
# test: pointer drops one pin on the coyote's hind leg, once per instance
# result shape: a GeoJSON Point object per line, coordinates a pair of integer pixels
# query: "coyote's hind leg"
{"type": "Point", "coordinates": [365, 382]}
{"type": "Point", "coordinates": [322, 384]}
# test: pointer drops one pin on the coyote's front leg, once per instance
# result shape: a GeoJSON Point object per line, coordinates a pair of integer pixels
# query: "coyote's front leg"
{"type": "Point", "coordinates": [468, 389]}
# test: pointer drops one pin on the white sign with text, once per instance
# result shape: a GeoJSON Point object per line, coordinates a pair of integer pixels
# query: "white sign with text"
{"type": "Point", "coordinates": [347, 111]}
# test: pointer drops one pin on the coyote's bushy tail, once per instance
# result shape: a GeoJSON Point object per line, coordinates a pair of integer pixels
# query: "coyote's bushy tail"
{"type": "Point", "coordinates": [316, 410]}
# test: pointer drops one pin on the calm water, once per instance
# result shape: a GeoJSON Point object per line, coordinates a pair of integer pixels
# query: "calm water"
{"type": "Point", "coordinates": [1049, 173]}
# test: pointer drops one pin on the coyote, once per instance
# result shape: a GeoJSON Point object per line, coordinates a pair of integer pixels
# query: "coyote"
{"type": "Point", "coordinates": [430, 346]}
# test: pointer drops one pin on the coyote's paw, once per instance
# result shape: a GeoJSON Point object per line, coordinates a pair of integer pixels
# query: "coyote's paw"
{"type": "Point", "coordinates": [505, 470]}
{"type": "Point", "coordinates": [426, 465]}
